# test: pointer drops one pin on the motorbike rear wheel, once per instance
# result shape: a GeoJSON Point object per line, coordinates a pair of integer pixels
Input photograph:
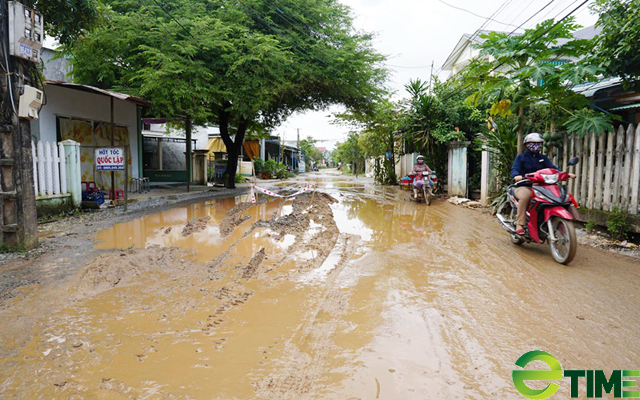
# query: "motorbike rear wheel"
{"type": "Point", "coordinates": [564, 248]}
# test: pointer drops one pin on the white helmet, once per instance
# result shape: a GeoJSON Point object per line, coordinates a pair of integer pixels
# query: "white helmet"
{"type": "Point", "coordinates": [419, 157]}
{"type": "Point", "coordinates": [534, 137]}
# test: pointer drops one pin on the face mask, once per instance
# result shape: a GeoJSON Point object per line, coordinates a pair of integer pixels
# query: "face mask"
{"type": "Point", "coordinates": [534, 147]}
{"type": "Point", "coordinates": [420, 161]}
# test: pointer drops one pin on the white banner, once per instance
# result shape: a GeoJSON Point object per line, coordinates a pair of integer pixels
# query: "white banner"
{"type": "Point", "coordinates": [110, 159]}
{"type": "Point", "coordinates": [270, 193]}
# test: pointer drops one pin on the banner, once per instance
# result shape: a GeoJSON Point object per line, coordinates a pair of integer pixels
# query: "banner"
{"type": "Point", "coordinates": [270, 193]}
{"type": "Point", "coordinates": [110, 159]}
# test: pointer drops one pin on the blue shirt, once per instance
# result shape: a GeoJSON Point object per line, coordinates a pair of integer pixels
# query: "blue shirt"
{"type": "Point", "coordinates": [528, 162]}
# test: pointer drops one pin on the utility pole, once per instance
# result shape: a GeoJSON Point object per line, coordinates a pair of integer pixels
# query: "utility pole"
{"type": "Point", "coordinates": [19, 224]}
{"type": "Point", "coordinates": [431, 76]}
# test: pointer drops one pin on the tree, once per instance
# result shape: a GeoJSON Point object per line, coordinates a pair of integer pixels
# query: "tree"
{"type": "Point", "coordinates": [378, 129]}
{"type": "Point", "coordinates": [241, 65]}
{"type": "Point", "coordinates": [616, 47]}
{"type": "Point", "coordinates": [523, 69]}
{"type": "Point", "coordinates": [311, 153]}
{"type": "Point", "coordinates": [350, 152]}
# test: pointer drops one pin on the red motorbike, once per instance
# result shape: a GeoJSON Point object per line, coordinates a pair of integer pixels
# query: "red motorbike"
{"type": "Point", "coordinates": [548, 216]}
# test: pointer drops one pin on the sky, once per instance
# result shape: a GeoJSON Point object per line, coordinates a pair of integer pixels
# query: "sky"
{"type": "Point", "coordinates": [413, 34]}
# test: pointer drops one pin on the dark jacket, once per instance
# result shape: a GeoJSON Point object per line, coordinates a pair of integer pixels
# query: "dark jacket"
{"type": "Point", "coordinates": [528, 162]}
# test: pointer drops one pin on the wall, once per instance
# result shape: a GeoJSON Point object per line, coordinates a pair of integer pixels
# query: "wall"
{"type": "Point", "coordinates": [55, 69]}
{"type": "Point", "coordinates": [66, 102]}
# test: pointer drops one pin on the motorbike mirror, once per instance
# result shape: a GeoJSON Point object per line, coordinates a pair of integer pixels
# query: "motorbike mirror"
{"type": "Point", "coordinates": [574, 161]}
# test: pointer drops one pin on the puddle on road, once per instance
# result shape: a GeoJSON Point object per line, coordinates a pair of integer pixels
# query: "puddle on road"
{"type": "Point", "coordinates": [365, 297]}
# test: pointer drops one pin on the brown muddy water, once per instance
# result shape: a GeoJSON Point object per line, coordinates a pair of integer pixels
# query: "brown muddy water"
{"type": "Point", "coordinates": [358, 295]}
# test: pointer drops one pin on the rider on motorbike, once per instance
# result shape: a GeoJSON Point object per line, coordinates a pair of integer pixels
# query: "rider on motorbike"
{"type": "Point", "coordinates": [531, 160]}
{"type": "Point", "coordinates": [419, 181]}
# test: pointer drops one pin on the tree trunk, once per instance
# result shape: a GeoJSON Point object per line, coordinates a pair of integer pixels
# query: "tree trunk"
{"type": "Point", "coordinates": [520, 129]}
{"type": "Point", "coordinates": [233, 147]}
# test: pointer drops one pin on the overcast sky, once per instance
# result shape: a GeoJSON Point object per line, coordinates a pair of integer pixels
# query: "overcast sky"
{"type": "Point", "coordinates": [415, 33]}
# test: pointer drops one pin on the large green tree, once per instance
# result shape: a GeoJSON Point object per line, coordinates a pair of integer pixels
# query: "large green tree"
{"type": "Point", "coordinates": [246, 64]}
{"type": "Point", "coordinates": [617, 45]}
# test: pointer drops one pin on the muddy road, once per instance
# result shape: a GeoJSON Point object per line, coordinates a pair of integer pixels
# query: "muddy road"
{"type": "Point", "coordinates": [349, 293]}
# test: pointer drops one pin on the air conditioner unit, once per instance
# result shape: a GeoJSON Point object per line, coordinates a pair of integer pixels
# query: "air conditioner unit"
{"type": "Point", "coordinates": [30, 102]}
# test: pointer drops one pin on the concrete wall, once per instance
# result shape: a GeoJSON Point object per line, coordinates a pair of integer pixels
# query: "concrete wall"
{"type": "Point", "coordinates": [55, 69]}
{"type": "Point", "coordinates": [71, 103]}
{"type": "Point", "coordinates": [53, 205]}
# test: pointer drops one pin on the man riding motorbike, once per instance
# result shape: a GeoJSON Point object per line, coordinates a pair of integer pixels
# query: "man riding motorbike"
{"type": "Point", "coordinates": [531, 160]}
{"type": "Point", "coordinates": [418, 168]}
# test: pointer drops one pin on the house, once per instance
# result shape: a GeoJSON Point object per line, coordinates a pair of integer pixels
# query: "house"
{"type": "Point", "coordinates": [326, 157]}
{"type": "Point", "coordinates": [91, 116]}
{"type": "Point", "coordinates": [84, 114]}
{"type": "Point", "coordinates": [610, 96]}
{"type": "Point", "coordinates": [164, 148]}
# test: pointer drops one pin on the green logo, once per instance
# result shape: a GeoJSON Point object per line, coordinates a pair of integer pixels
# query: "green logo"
{"type": "Point", "coordinates": [596, 382]}
{"type": "Point", "coordinates": [555, 374]}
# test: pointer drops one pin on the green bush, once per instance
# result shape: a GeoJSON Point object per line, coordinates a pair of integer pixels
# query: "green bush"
{"type": "Point", "coordinates": [281, 171]}
{"type": "Point", "coordinates": [270, 167]}
{"type": "Point", "coordinates": [239, 178]}
{"type": "Point", "coordinates": [617, 224]}
{"type": "Point", "coordinates": [590, 225]}
{"type": "Point", "coordinates": [258, 164]}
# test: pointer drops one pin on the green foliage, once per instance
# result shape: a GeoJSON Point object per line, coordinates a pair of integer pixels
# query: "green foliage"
{"type": "Point", "coordinates": [239, 178]}
{"type": "Point", "coordinates": [616, 47]}
{"type": "Point", "coordinates": [523, 69]}
{"type": "Point", "coordinates": [281, 171]}
{"type": "Point", "coordinates": [270, 167]}
{"type": "Point", "coordinates": [258, 164]}
{"type": "Point", "coordinates": [311, 153]}
{"type": "Point", "coordinates": [590, 226]}
{"type": "Point", "coordinates": [242, 66]}
{"type": "Point", "coordinates": [431, 119]}
{"type": "Point", "coordinates": [66, 20]}
{"type": "Point", "coordinates": [503, 143]}
{"type": "Point", "coordinates": [585, 121]}
{"type": "Point", "coordinates": [350, 152]}
{"type": "Point", "coordinates": [618, 224]}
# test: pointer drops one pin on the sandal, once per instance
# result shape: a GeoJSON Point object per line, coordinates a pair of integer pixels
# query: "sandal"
{"type": "Point", "coordinates": [520, 231]}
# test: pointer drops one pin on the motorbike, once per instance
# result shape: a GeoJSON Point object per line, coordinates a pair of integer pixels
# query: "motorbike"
{"type": "Point", "coordinates": [427, 192]}
{"type": "Point", "coordinates": [548, 216]}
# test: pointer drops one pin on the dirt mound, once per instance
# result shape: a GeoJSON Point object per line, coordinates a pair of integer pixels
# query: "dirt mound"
{"type": "Point", "coordinates": [124, 268]}
{"type": "Point", "coordinates": [195, 225]}
{"type": "Point", "coordinates": [234, 218]}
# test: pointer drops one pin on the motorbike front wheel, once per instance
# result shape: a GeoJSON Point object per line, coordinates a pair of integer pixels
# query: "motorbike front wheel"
{"type": "Point", "coordinates": [564, 248]}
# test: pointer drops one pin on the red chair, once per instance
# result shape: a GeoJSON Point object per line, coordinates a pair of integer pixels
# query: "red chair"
{"type": "Point", "coordinates": [119, 194]}
{"type": "Point", "coordinates": [89, 185]}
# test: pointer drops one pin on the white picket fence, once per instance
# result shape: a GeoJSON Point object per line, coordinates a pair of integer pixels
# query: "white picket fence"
{"type": "Point", "coordinates": [49, 169]}
{"type": "Point", "coordinates": [609, 171]}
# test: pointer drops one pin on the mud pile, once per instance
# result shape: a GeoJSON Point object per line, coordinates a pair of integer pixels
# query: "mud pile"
{"type": "Point", "coordinates": [195, 225]}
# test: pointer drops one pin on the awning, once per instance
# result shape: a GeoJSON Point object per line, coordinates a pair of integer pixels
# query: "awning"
{"type": "Point", "coordinates": [216, 145]}
{"type": "Point", "coordinates": [91, 89]}
{"type": "Point", "coordinates": [627, 107]}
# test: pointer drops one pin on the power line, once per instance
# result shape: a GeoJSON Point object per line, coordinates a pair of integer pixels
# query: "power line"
{"type": "Point", "coordinates": [533, 16]}
{"type": "Point", "coordinates": [173, 18]}
{"type": "Point", "coordinates": [472, 13]}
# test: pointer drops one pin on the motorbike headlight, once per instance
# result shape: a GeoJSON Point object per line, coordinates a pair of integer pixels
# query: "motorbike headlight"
{"type": "Point", "coordinates": [550, 179]}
